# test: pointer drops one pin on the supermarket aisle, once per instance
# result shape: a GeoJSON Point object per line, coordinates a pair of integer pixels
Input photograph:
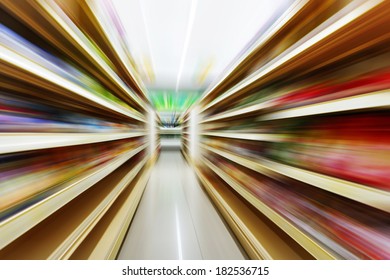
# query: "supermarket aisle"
{"type": "Point", "coordinates": [175, 219]}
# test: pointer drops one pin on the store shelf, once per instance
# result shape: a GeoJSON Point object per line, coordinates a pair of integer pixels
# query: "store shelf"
{"type": "Point", "coordinates": [72, 223]}
{"type": "Point", "coordinates": [184, 144]}
{"type": "Point", "coordinates": [19, 142]}
{"type": "Point", "coordinates": [319, 85]}
{"type": "Point", "coordinates": [48, 20]}
{"type": "Point", "coordinates": [104, 241]}
{"type": "Point", "coordinates": [18, 224]}
{"type": "Point", "coordinates": [185, 154]}
{"type": "Point", "coordinates": [170, 131]}
{"type": "Point", "coordinates": [370, 196]}
{"type": "Point", "coordinates": [117, 54]}
{"type": "Point", "coordinates": [246, 59]}
{"type": "Point", "coordinates": [65, 26]}
{"type": "Point", "coordinates": [62, 72]}
{"type": "Point", "coordinates": [13, 58]}
{"type": "Point", "coordinates": [324, 40]}
{"type": "Point", "coordinates": [257, 236]}
{"type": "Point", "coordinates": [237, 112]}
{"type": "Point", "coordinates": [304, 240]}
{"type": "Point", "coordinates": [234, 222]}
{"type": "Point", "coordinates": [185, 137]}
{"type": "Point", "coordinates": [248, 136]}
{"type": "Point", "coordinates": [73, 240]}
{"type": "Point", "coordinates": [374, 100]}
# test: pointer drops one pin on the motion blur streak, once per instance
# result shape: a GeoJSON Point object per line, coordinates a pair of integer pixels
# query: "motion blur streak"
{"type": "Point", "coordinates": [291, 143]}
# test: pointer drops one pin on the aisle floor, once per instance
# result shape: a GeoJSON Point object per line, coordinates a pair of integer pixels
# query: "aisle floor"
{"type": "Point", "coordinates": [175, 218]}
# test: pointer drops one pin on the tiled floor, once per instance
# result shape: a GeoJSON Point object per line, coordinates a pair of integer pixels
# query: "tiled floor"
{"type": "Point", "coordinates": [175, 218]}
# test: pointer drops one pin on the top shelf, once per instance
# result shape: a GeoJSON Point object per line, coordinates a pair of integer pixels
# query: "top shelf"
{"type": "Point", "coordinates": [111, 42]}
{"type": "Point", "coordinates": [357, 27]}
{"type": "Point", "coordinates": [373, 100]}
{"type": "Point", "coordinates": [48, 20]}
{"type": "Point", "coordinates": [246, 61]}
{"type": "Point", "coordinates": [23, 63]}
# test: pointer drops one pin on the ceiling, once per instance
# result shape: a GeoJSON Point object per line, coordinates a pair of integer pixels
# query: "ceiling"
{"type": "Point", "coordinates": [185, 44]}
{"type": "Point", "coordinates": [179, 47]}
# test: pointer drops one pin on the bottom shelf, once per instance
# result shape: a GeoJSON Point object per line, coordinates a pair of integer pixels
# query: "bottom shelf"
{"type": "Point", "coordinates": [104, 241]}
{"type": "Point", "coordinates": [260, 238]}
{"type": "Point", "coordinates": [60, 235]}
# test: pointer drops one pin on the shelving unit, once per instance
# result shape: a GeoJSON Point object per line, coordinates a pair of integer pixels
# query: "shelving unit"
{"type": "Point", "coordinates": [19, 142]}
{"type": "Point", "coordinates": [170, 131]}
{"type": "Point", "coordinates": [371, 101]}
{"type": "Point", "coordinates": [294, 18]}
{"type": "Point", "coordinates": [87, 154]}
{"type": "Point", "coordinates": [55, 26]}
{"type": "Point", "coordinates": [308, 243]}
{"type": "Point", "coordinates": [256, 233]}
{"type": "Point", "coordinates": [59, 82]}
{"type": "Point", "coordinates": [23, 221]}
{"type": "Point", "coordinates": [303, 119]}
{"type": "Point", "coordinates": [105, 239]}
{"type": "Point", "coordinates": [109, 40]}
{"type": "Point", "coordinates": [291, 144]}
{"type": "Point", "coordinates": [364, 194]}
{"type": "Point", "coordinates": [73, 222]}
{"type": "Point", "coordinates": [337, 38]}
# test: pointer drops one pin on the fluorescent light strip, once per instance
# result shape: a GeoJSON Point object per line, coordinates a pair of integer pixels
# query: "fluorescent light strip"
{"type": "Point", "coordinates": [187, 41]}
{"type": "Point", "coordinates": [178, 234]}
{"type": "Point", "coordinates": [147, 35]}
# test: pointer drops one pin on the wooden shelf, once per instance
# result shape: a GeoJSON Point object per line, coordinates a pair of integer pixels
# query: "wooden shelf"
{"type": "Point", "coordinates": [71, 224]}
{"type": "Point", "coordinates": [248, 136]}
{"type": "Point", "coordinates": [65, 26]}
{"type": "Point", "coordinates": [237, 112]}
{"type": "Point", "coordinates": [17, 60]}
{"type": "Point", "coordinates": [260, 238]}
{"type": "Point", "coordinates": [109, 42]}
{"type": "Point", "coordinates": [18, 224]}
{"type": "Point", "coordinates": [368, 195]}
{"type": "Point", "coordinates": [373, 100]}
{"type": "Point", "coordinates": [184, 144]}
{"type": "Point", "coordinates": [104, 241]}
{"type": "Point", "coordinates": [170, 131]}
{"type": "Point", "coordinates": [296, 13]}
{"type": "Point", "coordinates": [304, 240]}
{"type": "Point", "coordinates": [332, 41]}
{"type": "Point", "coordinates": [48, 20]}
{"type": "Point", "coordinates": [19, 142]}
{"type": "Point", "coordinates": [186, 156]}
{"type": "Point", "coordinates": [185, 137]}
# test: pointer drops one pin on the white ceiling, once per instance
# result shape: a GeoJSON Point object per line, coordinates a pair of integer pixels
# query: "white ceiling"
{"type": "Point", "coordinates": [188, 43]}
